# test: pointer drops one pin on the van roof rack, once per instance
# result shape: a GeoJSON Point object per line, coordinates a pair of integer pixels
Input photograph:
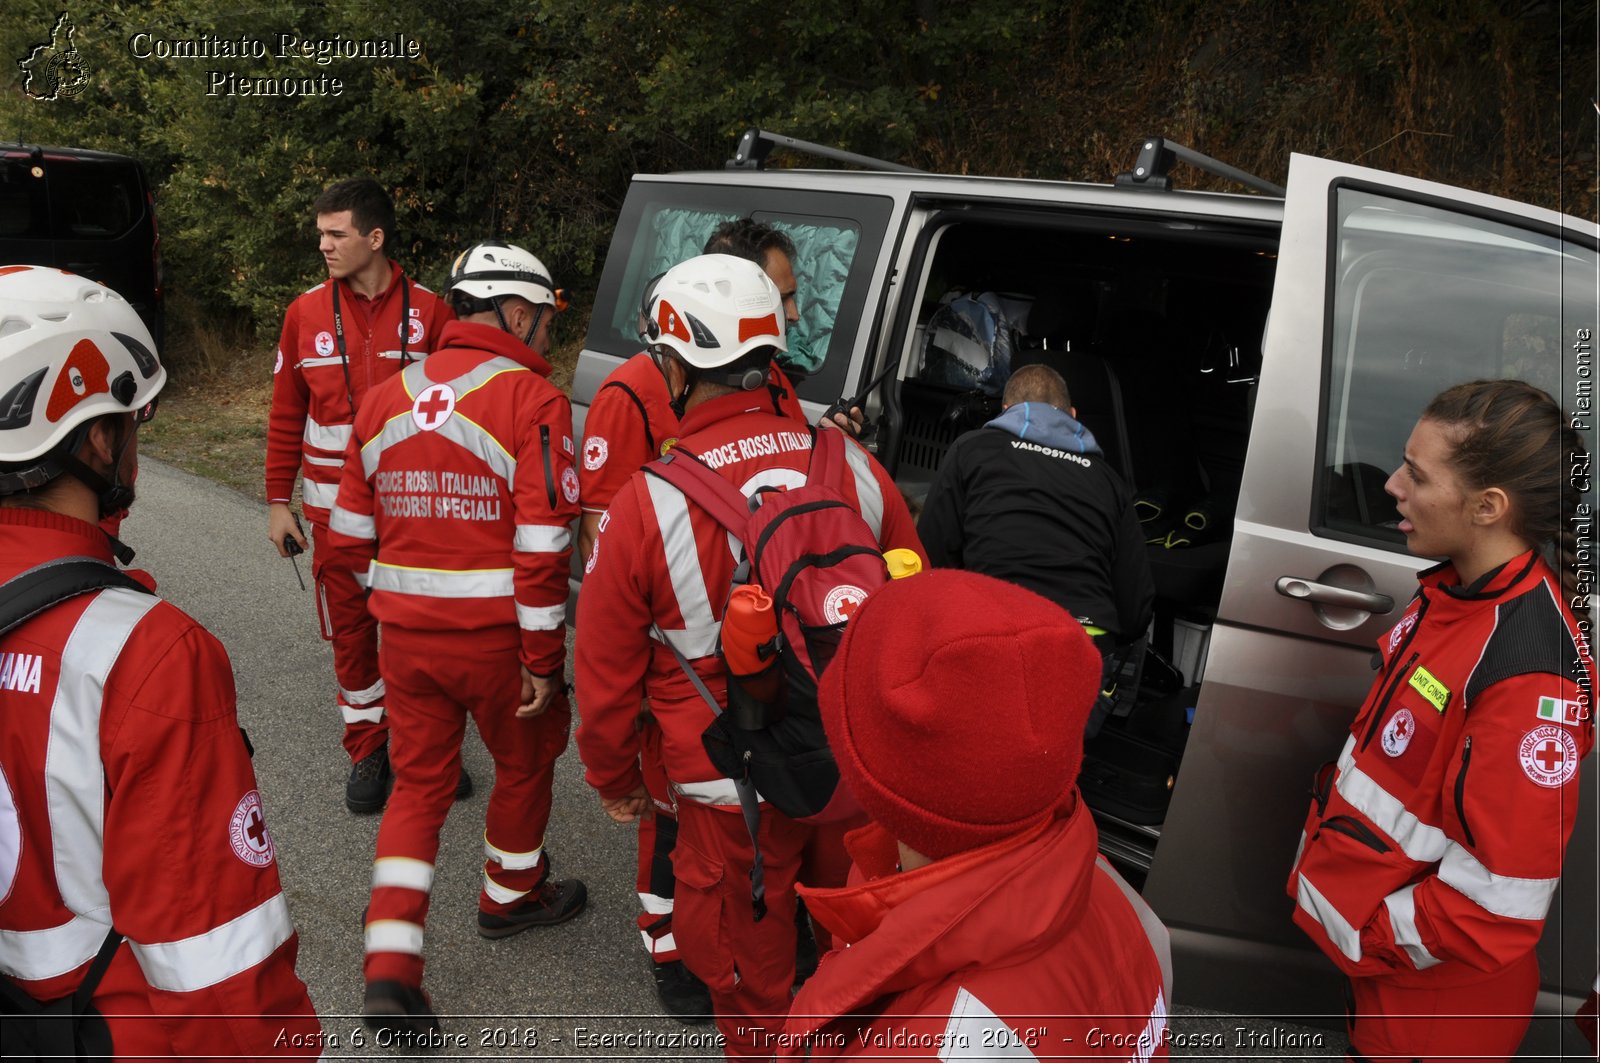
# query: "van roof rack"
{"type": "Point", "coordinates": [1157, 156]}
{"type": "Point", "coordinates": [756, 144]}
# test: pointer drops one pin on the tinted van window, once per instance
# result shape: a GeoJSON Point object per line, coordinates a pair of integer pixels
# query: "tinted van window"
{"type": "Point", "coordinates": [837, 239]}
{"type": "Point", "coordinates": [1424, 298]}
{"type": "Point", "coordinates": [23, 206]}
{"type": "Point", "coordinates": [95, 202]}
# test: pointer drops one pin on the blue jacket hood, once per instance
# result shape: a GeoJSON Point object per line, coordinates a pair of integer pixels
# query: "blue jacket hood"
{"type": "Point", "coordinates": [1039, 422]}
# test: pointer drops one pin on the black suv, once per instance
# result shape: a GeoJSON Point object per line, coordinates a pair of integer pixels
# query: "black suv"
{"type": "Point", "coordinates": [90, 212]}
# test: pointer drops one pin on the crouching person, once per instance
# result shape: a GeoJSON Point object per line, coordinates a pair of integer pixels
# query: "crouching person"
{"type": "Point", "coordinates": [979, 922]}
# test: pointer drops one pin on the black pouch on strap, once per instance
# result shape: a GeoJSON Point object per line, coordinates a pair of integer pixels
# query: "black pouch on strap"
{"type": "Point", "coordinates": [68, 1028]}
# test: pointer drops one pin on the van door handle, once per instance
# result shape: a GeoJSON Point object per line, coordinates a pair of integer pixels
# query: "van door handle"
{"type": "Point", "coordinates": [1307, 590]}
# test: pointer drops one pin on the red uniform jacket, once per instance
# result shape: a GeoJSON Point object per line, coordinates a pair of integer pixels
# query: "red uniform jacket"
{"type": "Point", "coordinates": [660, 569]}
{"type": "Point", "coordinates": [128, 794]}
{"type": "Point", "coordinates": [1433, 846]}
{"type": "Point", "coordinates": [1027, 948]}
{"type": "Point", "coordinates": [459, 490]}
{"type": "Point", "coordinates": [631, 422]}
{"type": "Point", "coordinates": [309, 426]}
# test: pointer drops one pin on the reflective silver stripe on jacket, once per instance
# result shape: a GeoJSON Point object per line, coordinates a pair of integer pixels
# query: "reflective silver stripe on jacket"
{"type": "Point", "coordinates": [698, 636]}
{"type": "Point", "coordinates": [441, 583]}
{"type": "Point", "coordinates": [541, 617]}
{"type": "Point", "coordinates": [327, 436]}
{"type": "Point", "coordinates": [74, 786]}
{"type": "Point", "coordinates": [720, 792]}
{"type": "Point", "coordinates": [1345, 938]}
{"type": "Point", "coordinates": [457, 428]}
{"type": "Point", "coordinates": [542, 538]}
{"type": "Point", "coordinates": [354, 525]}
{"type": "Point", "coordinates": [218, 954]}
{"type": "Point", "coordinates": [868, 493]}
{"type": "Point", "coordinates": [1418, 840]}
{"type": "Point", "coordinates": [319, 495]}
{"type": "Point", "coordinates": [1402, 906]}
{"type": "Point", "coordinates": [1154, 928]}
{"type": "Point", "coordinates": [320, 360]}
{"type": "Point", "coordinates": [1502, 895]}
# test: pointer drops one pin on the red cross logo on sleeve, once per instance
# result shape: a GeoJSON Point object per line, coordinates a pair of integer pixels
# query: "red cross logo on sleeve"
{"type": "Point", "coordinates": [433, 407]}
{"type": "Point", "coordinates": [1549, 755]}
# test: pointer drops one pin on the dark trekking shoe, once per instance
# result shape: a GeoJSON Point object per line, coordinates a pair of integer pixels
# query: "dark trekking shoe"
{"type": "Point", "coordinates": [553, 902]}
{"type": "Point", "coordinates": [463, 784]}
{"type": "Point", "coordinates": [370, 780]}
{"type": "Point", "coordinates": [398, 1008]}
{"type": "Point", "coordinates": [682, 995]}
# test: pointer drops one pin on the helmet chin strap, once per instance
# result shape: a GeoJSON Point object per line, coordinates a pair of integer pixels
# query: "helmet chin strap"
{"type": "Point", "coordinates": [690, 378]}
{"type": "Point", "coordinates": [111, 495]}
{"type": "Point", "coordinates": [533, 326]}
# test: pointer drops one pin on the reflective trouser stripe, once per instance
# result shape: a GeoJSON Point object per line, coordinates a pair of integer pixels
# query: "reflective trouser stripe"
{"type": "Point", "coordinates": [402, 872]}
{"type": "Point", "coordinates": [394, 935]}
{"type": "Point", "coordinates": [500, 894]}
{"type": "Point", "coordinates": [655, 946]}
{"type": "Point", "coordinates": [512, 861]}
{"type": "Point", "coordinates": [655, 905]}
{"type": "Point", "coordinates": [364, 714]}
{"type": "Point", "coordinates": [218, 954]}
{"type": "Point", "coordinates": [361, 697]}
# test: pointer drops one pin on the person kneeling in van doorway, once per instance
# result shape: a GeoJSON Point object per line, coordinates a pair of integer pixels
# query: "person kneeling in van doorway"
{"type": "Point", "coordinates": [459, 493]}
{"type": "Point", "coordinates": [1433, 846]}
{"type": "Point", "coordinates": [978, 917]}
{"type": "Point", "coordinates": [1030, 499]}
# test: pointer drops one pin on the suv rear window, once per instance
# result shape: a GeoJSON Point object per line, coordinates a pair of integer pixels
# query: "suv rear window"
{"type": "Point", "coordinates": [837, 239]}
{"type": "Point", "coordinates": [22, 202]}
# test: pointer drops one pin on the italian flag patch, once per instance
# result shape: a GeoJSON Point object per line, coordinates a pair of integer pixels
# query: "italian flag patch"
{"type": "Point", "coordinates": [1558, 711]}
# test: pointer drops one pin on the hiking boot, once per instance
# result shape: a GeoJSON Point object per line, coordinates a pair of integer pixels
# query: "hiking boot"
{"type": "Point", "coordinates": [551, 903]}
{"type": "Point", "coordinates": [398, 1008]}
{"type": "Point", "coordinates": [370, 779]}
{"type": "Point", "coordinates": [682, 995]}
{"type": "Point", "coordinates": [463, 784]}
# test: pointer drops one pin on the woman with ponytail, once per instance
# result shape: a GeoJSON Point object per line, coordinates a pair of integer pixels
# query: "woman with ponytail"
{"type": "Point", "coordinates": [1434, 843]}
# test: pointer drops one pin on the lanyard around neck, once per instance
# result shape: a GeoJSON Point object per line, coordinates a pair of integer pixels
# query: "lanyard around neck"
{"type": "Point", "coordinates": [338, 332]}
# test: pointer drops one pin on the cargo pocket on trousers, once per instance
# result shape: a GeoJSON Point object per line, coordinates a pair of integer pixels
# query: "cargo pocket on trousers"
{"type": "Point", "coordinates": [699, 922]}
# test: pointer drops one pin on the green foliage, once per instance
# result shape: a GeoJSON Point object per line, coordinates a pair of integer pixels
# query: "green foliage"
{"type": "Point", "coordinates": [526, 121]}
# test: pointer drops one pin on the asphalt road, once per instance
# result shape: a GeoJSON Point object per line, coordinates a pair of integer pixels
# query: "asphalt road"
{"type": "Point", "coordinates": [580, 990]}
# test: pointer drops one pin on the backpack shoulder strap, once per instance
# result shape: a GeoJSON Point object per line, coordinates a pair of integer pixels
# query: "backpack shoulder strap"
{"type": "Point", "coordinates": [704, 488]}
{"type": "Point", "coordinates": [30, 593]}
{"type": "Point", "coordinates": [827, 458]}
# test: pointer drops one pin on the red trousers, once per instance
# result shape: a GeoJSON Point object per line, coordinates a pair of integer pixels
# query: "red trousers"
{"type": "Point", "coordinates": [343, 620]}
{"type": "Point", "coordinates": [1479, 1021]}
{"type": "Point", "coordinates": [435, 679]}
{"type": "Point", "coordinates": [747, 965]}
{"type": "Point", "coordinates": [658, 837]}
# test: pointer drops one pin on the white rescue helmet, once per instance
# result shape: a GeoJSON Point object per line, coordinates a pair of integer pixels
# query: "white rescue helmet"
{"type": "Point", "coordinates": [713, 310]}
{"type": "Point", "coordinates": [71, 350]}
{"type": "Point", "coordinates": [489, 270]}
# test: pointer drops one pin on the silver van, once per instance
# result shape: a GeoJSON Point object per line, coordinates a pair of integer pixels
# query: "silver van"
{"type": "Point", "coordinates": [1253, 363]}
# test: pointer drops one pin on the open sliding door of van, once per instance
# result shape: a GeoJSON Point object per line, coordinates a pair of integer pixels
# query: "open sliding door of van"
{"type": "Point", "coordinates": [1388, 290]}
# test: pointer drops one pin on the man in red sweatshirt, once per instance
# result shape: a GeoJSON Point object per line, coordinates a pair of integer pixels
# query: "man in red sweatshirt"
{"type": "Point", "coordinates": [458, 494]}
{"type": "Point", "coordinates": [362, 325]}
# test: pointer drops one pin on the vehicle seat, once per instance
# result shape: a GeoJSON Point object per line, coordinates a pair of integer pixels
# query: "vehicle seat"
{"type": "Point", "coordinates": [1058, 336]}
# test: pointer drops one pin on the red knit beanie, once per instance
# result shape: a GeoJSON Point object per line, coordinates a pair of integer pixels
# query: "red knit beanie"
{"type": "Point", "coordinates": [955, 707]}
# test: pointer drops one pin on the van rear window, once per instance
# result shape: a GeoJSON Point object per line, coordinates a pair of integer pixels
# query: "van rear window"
{"type": "Point", "coordinates": [94, 200]}
{"type": "Point", "coordinates": [837, 239]}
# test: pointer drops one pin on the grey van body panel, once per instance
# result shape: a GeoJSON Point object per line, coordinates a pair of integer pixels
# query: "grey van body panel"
{"type": "Point", "coordinates": [1283, 676]}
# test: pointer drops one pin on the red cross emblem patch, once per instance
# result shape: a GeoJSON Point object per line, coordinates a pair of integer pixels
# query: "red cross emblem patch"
{"type": "Point", "coordinates": [247, 831]}
{"type": "Point", "coordinates": [595, 452]}
{"type": "Point", "coordinates": [433, 407]}
{"type": "Point", "coordinates": [1549, 755]}
{"type": "Point", "coordinates": [842, 602]}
